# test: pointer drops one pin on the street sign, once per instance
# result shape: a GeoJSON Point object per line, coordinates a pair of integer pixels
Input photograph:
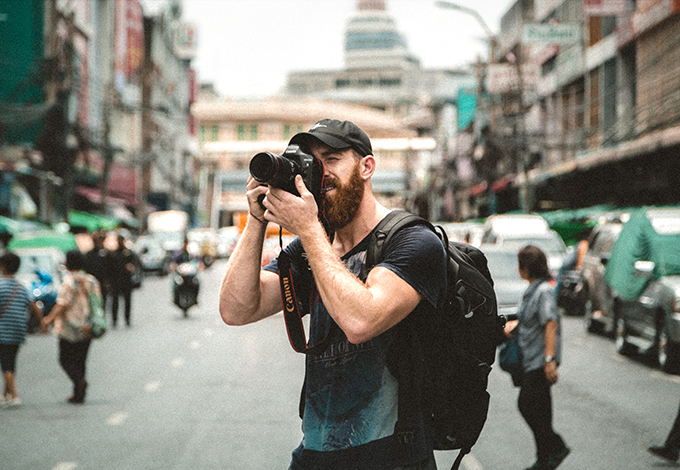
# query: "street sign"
{"type": "Point", "coordinates": [544, 33]}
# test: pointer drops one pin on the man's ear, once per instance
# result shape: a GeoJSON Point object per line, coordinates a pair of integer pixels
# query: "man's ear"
{"type": "Point", "coordinates": [368, 165]}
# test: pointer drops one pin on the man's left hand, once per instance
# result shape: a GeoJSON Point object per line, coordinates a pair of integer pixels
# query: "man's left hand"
{"type": "Point", "coordinates": [293, 213]}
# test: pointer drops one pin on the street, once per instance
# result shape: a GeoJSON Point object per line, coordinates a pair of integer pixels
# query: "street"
{"type": "Point", "coordinates": [191, 393]}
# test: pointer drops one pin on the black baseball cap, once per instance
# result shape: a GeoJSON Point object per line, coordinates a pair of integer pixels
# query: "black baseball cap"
{"type": "Point", "coordinates": [337, 135]}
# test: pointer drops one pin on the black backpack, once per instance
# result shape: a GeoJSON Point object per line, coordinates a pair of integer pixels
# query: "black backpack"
{"type": "Point", "coordinates": [458, 346]}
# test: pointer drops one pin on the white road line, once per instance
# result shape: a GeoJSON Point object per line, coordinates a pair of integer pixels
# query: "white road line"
{"type": "Point", "coordinates": [194, 345]}
{"type": "Point", "coordinates": [152, 386]}
{"type": "Point", "coordinates": [208, 332]}
{"type": "Point", "coordinates": [177, 362]}
{"type": "Point", "coordinates": [117, 418]}
{"type": "Point", "coordinates": [65, 466]}
{"type": "Point", "coordinates": [470, 462]}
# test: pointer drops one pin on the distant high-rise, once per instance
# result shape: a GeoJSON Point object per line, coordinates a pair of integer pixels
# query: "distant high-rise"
{"type": "Point", "coordinates": [373, 41]}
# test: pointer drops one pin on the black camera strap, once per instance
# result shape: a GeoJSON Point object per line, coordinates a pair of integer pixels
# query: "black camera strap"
{"type": "Point", "coordinates": [292, 312]}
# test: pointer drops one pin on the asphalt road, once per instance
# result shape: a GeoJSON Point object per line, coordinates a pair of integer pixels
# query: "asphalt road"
{"type": "Point", "coordinates": [191, 393]}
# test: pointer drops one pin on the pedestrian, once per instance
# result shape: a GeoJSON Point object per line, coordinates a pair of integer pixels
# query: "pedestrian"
{"type": "Point", "coordinates": [69, 316]}
{"type": "Point", "coordinates": [14, 303]}
{"type": "Point", "coordinates": [98, 263]}
{"type": "Point", "coordinates": [671, 448]}
{"type": "Point", "coordinates": [123, 262]}
{"type": "Point", "coordinates": [539, 339]}
{"type": "Point", "coordinates": [351, 392]}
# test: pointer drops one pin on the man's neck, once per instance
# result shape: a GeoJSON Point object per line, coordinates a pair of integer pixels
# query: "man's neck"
{"type": "Point", "coordinates": [369, 214]}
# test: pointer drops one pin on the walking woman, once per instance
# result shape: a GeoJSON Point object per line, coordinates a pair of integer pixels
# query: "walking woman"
{"type": "Point", "coordinates": [69, 317]}
{"type": "Point", "coordinates": [538, 330]}
{"type": "Point", "coordinates": [14, 302]}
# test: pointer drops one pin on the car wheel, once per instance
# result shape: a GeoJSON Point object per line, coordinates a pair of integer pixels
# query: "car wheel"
{"type": "Point", "coordinates": [591, 325]}
{"type": "Point", "coordinates": [667, 353]}
{"type": "Point", "coordinates": [623, 347]}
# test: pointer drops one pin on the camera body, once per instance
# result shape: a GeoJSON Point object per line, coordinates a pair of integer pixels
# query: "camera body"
{"type": "Point", "coordinates": [279, 171]}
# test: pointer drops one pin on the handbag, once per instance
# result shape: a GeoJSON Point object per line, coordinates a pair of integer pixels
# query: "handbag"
{"type": "Point", "coordinates": [96, 320]}
{"type": "Point", "coordinates": [510, 360]}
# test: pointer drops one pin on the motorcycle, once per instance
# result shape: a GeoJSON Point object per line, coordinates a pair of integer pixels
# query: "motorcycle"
{"type": "Point", "coordinates": [185, 286]}
{"type": "Point", "coordinates": [44, 294]}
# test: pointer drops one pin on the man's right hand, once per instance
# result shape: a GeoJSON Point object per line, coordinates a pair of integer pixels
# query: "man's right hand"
{"type": "Point", "coordinates": [254, 191]}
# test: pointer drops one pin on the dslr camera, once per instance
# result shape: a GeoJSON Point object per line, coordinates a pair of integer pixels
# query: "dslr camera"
{"type": "Point", "coordinates": [279, 171]}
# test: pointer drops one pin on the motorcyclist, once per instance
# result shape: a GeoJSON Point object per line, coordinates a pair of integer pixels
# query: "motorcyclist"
{"type": "Point", "coordinates": [184, 256]}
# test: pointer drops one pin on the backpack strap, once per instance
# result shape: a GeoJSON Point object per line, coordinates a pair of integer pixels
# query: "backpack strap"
{"type": "Point", "coordinates": [382, 234]}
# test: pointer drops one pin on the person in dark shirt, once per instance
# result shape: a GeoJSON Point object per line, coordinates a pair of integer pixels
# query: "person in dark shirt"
{"type": "Point", "coordinates": [98, 263]}
{"type": "Point", "coordinates": [123, 261]}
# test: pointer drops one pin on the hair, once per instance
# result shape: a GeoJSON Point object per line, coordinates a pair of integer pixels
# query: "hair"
{"type": "Point", "coordinates": [532, 259]}
{"type": "Point", "coordinates": [10, 263]}
{"type": "Point", "coordinates": [75, 261]}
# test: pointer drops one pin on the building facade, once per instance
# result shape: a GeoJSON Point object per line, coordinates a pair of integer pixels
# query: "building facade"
{"type": "Point", "coordinates": [593, 119]}
{"type": "Point", "coordinates": [232, 132]}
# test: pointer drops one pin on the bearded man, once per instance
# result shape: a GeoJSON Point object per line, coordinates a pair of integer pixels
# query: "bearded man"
{"type": "Point", "coordinates": [351, 397]}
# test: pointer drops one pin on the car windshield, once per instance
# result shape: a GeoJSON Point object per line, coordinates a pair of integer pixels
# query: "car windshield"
{"type": "Point", "coordinates": [33, 263]}
{"type": "Point", "coordinates": [502, 265]}
{"type": "Point", "coordinates": [549, 245]}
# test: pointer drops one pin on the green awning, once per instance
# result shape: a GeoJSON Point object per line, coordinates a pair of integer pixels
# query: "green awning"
{"type": "Point", "coordinates": [92, 222]}
{"type": "Point", "coordinates": [42, 239]}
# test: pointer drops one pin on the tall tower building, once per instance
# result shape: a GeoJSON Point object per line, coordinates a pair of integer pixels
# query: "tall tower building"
{"type": "Point", "coordinates": [372, 40]}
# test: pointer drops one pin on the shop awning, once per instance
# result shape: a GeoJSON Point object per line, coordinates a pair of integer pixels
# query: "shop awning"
{"type": "Point", "coordinates": [92, 222]}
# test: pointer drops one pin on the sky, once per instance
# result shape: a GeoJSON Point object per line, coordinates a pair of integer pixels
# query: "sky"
{"type": "Point", "coordinates": [247, 47]}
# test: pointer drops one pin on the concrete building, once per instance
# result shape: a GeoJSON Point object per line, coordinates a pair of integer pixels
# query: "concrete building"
{"type": "Point", "coordinates": [597, 120]}
{"type": "Point", "coordinates": [233, 131]}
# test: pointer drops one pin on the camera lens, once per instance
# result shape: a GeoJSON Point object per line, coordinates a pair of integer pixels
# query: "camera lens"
{"type": "Point", "coordinates": [264, 166]}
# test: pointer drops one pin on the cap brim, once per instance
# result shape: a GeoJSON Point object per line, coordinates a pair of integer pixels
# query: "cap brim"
{"type": "Point", "coordinates": [331, 141]}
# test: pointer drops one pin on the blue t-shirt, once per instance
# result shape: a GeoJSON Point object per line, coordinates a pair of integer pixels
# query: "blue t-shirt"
{"type": "Point", "coordinates": [350, 393]}
{"type": "Point", "coordinates": [537, 308]}
{"type": "Point", "coordinates": [14, 322]}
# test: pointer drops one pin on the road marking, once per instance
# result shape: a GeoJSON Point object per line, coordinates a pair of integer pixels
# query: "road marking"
{"type": "Point", "coordinates": [208, 332]}
{"type": "Point", "coordinates": [152, 386]}
{"type": "Point", "coordinates": [118, 418]}
{"type": "Point", "coordinates": [65, 466]}
{"type": "Point", "coordinates": [470, 462]}
{"type": "Point", "coordinates": [177, 362]}
{"type": "Point", "coordinates": [194, 345]}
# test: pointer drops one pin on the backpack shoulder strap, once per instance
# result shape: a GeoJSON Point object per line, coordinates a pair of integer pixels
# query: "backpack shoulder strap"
{"type": "Point", "coordinates": [383, 233]}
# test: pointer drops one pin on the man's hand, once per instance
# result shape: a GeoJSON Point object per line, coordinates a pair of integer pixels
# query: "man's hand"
{"type": "Point", "coordinates": [293, 213]}
{"type": "Point", "coordinates": [255, 190]}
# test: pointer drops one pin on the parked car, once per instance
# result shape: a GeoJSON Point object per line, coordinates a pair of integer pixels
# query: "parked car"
{"type": "Point", "coordinates": [512, 224]}
{"type": "Point", "coordinates": [549, 241]}
{"type": "Point", "coordinates": [152, 255]}
{"type": "Point", "coordinates": [465, 232]}
{"type": "Point", "coordinates": [597, 295]}
{"type": "Point", "coordinates": [226, 241]}
{"type": "Point", "coordinates": [508, 284]}
{"type": "Point", "coordinates": [644, 273]}
{"type": "Point", "coordinates": [203, 243]}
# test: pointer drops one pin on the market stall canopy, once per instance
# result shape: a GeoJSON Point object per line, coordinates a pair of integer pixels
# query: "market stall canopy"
{"type": "Point", "coordinates": [42, 239]}
{"type": "Point", "coordinates": [651, 234]}
{"type": "Point", "coordinates": [92, 222]}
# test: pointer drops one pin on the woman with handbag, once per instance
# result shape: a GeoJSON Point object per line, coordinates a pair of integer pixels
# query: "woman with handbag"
{"type": "Point", "coordinates": [537, 331]}
{"type": "Point", "coordinates": [70, 317]}
{"type": "Point", "coordinates": [14, 301]}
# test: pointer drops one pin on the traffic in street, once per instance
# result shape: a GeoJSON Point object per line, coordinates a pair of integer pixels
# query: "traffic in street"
{"type": "Point", "coordinates": [192, 393]}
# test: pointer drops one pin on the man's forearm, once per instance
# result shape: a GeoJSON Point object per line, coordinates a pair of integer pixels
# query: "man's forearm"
{"type": "Point", "coordinates": [240, 292]}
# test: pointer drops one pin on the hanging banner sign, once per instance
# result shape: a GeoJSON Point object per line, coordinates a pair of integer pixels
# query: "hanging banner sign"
{"type": "Point", "coordinates": [544, 33]}
{"type": "Point", "coordinates": [605, 7]}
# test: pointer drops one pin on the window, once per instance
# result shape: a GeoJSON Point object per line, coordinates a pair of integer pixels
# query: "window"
{"type": "Point", "coordinates": [215, 133]}
{"type": "Point", "coordinates": [246, 132]}
{"type": "Point", "coordinates": [240, 132]}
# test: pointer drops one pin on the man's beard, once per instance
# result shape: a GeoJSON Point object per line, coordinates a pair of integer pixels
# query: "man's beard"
{"type": "Point", "coordinates": [342, 206]}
